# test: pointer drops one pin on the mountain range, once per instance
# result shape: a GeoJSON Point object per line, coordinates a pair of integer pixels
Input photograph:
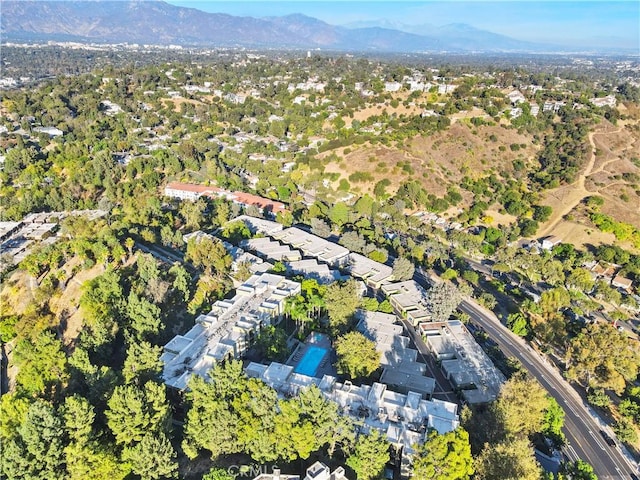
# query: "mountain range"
{"type": "Point", "coordinates": [159, 23]}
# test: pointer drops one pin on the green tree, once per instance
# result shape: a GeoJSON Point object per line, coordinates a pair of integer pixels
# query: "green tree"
{"type": "Point", "coordinates": [339, 214]}
{"type": "Point", "coordinates": [217, 473]}
{"type": "Point", "coordinates": [181, 280]}
{"type": "Point", "coordinates": [602, 357]}
{"type": "Point", "coordinates": [154, 457]}
{"type": "Point", "coordinates": [581, 279]}
{"type": "Point", "coordinates": [520, 407]}
{"type": "Point", "coordinates": [551, 301]}
{"type": "Point", "coordinates": [403, 269]}
{"type": "Point", "coordinates": [144, 316]}
{"type": "Point", "coordinates": [443, 299]}
{"type": "Point", "coordinates": [142, 362]}
{"type": "Point", "coordinates": [517, 323]}
{"type": "Point", "coordinates": [37, 450]}
{"type": "Point", "coordinates": [511, 460]}
{"type": "Point", "coordinates": [78, 418]}
{"type": "Point", "coordinates": [272, 344]}
{"type": "Point", "coordinates": [135, 411]}
{"type": "Point", "coordinates": [625, 431]}
{"type": "Point", "coordinates": [209, 254]}
{"type": "Point", "coordinates": [370, 455]}
{"type": "Point", "coordinates": [42, 365]}
{"type": "Point", "coordinates": [553, 421]}
{"type": "Point", "coordinates": [357, 355]}
{"type": "Point", "coordinates": [444, 457]}
{"type": "Point", "coordinates": [578, 470]}
{"type": "Point", "coordinates": [341, 301]}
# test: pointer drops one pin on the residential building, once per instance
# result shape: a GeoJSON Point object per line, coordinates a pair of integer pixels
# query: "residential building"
{"type": "Point", "coordinates": [317, 471]}
{"type": "Point", "coordinates": [463, 361]}
{"type": "Point", "coordinates": [227, 330]}
{"type": "Point", "coordinates": [373, 273]}
{"type": "Point", "coordinates": [313, 246]}
{"type": "Point", "coordinates": [549, 242]}
{"type": "Point", "coordinates": [409, 299]}
{"type": "Point", "coordinates": [622, 282]}
{"type": "Point", "coordinates": [608, 101]}
{"type": "Point", "coordinates": [516, 97]}
{"type": "Point", "coordinates": [401, 370]}
{"type": "Point", "coordinates": [404, 418]}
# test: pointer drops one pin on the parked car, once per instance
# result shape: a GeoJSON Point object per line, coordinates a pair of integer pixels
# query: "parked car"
{"type": "Point", "coordinates": [607, 438]}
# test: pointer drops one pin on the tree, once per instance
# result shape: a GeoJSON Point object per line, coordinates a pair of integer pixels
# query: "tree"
{"type": "Point", "coordinates": [553, 421]}
{"type": "Point", "coordinates": [320, 228]}
{"type": "Point", "coordinates": [580, 279]}
{"type": "Point", "coordinates": [142, 362]}
{"type": "Point", "coordinates": [218, 474]}
{"type": "Point", "coordinates": [181, 280]}
{"type": "Point", "coordinates": [370, 455]}
{"type": "Point", "coordinates": [578, 470]}
{"type": "Point", "coordinates": [403, 269]}
{"type": "Point", "coordinates": [144, 316]}
{"type": "Point", "coordinates": [272, 344]}
{"type": "Point", "coordinates": [517, 323]}
{"type": "Point", "coordinates": [37, 450]}
{"type": "Point", "coordinates": [443, 299]}
{"type": "Point", "coordinates": [553, 300]}
{"type": "Point", "coordinates": [357, 355]}
{"type": "Point", "coordinates": [443, 457]}
{"type": "Point", "coordinates": [626, 431]}
{"type": "Point", "coordinates": [520, 407]}
{"type": "Point", "coordinates": [42, 365]}
{"type": "Point", "coordinates": [135, 411]}
{"type": "Point", "coordinates": [154, 457]}
{"type": "Point", "coordinates": [341, 301]}
{"type": "Point", "coordinates": [602, 357]}
{"type": "Point", "coordinates": [339, 214]}
{"type": "Point", "coordinates": [511, 460]}
{"type": "Point", "coordinates": [209, 254]}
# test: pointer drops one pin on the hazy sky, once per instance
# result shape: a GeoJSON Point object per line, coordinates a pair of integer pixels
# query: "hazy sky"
{"type": "Point", "coordinates": [603, 23]}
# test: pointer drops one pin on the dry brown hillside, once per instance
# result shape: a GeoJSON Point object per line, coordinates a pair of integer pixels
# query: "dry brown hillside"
{"type": "Point", "coordinates": [437, 160]}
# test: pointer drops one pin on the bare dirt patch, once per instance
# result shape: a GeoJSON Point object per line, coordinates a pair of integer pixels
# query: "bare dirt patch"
{"type": "Point", "coordinates": [66, 306]}
{"type": "Point", "coordinates": [611, 173]}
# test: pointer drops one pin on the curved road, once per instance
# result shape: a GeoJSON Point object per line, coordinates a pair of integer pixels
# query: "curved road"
{"type": "Point", "coordinates": [584, 440]}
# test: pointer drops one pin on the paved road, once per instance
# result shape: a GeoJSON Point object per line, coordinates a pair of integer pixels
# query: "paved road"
{"type": "Point", "coordinates": [584, 440]}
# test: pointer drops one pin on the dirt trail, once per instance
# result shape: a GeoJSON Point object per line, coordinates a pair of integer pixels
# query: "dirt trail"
{"type": "Point", "coordinates": [569, 196]}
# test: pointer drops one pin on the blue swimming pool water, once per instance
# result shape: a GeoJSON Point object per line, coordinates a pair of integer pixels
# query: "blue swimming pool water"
{"type": "Point", "coordinates": [310, 362]}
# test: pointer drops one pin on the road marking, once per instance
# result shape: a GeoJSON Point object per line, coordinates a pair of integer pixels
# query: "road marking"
{"type": "Point", "coordinates": [618, 470]}
{"type": "Point", "coordinates": [596, 439]}
{"type": "Point", "coordinates": [573, 455]}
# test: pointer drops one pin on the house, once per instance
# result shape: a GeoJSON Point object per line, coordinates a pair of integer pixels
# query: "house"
{"type": "Point", "coordinates": [51, 131]}
{"type": "Point", "coordinates": [549, 242]}
{"type": "Point", "coordinates": [392, 86]}
{"type": "Point", "coordinates": [409, 300]}
{"type": "Point", "coordinates": [608, 101]}
{"type": "Point", "coordinates": [622, 282]}
{"type": "Point", "coordinates": [535, 109]}
{"type": "Point", "coordinates": [187, 191]}
{"type": "Point", "coordinates": [516, 97]}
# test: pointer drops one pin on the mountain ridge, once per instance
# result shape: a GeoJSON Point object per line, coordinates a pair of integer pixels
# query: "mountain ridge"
{"type": "Point", "coordinates": [161, 23]}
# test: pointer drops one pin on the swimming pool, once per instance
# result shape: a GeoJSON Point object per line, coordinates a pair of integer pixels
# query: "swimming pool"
{"type": "Point", "coordinates": [310, 362]}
